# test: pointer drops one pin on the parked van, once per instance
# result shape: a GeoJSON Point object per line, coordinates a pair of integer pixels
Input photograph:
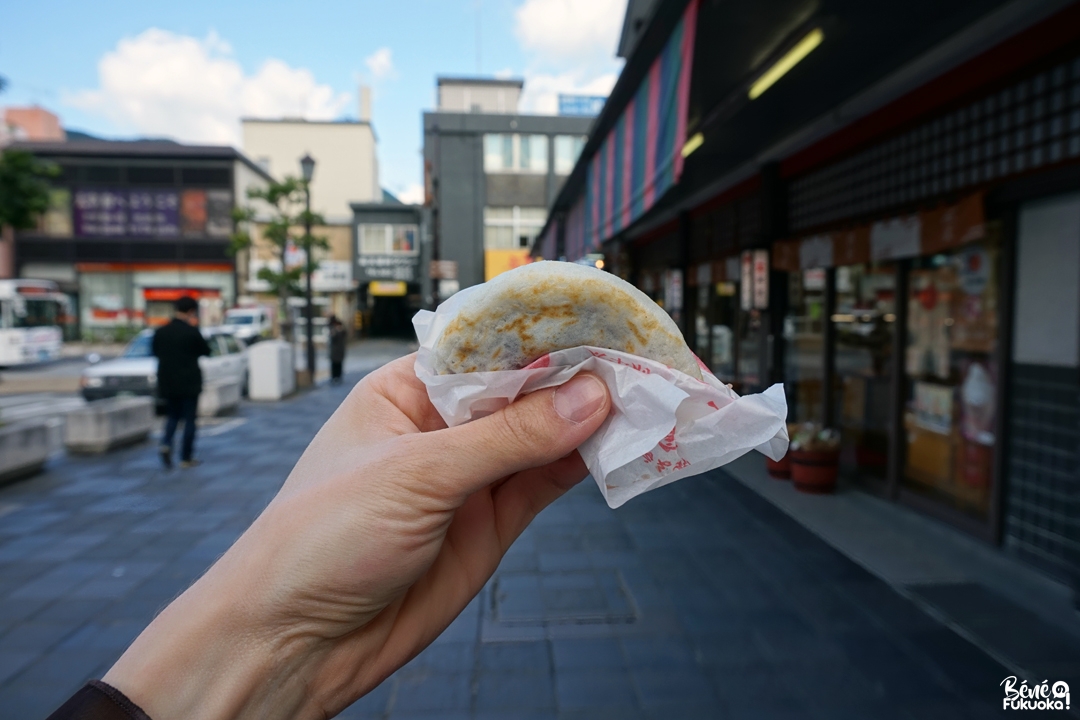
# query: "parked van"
{"type": "Point", "coordinates": [249, 324]}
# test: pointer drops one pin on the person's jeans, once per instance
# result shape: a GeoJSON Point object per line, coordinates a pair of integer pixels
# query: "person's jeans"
{"type": "Point", "coordinates": [178, 409]}
{"type": "Point", "coordinates": [335, 370]}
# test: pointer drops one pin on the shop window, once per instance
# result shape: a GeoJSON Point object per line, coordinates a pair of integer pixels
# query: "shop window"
{"type": "Point", "coordinates": [387, 239]}
{"type": "Point", "coordinates": [951, 376]}
{"type": "Point", "coordinates": [515, 153]}
{"type": "Point", "coordinates": [864, 331]}
{"type": "Point", "coordinates": [512, 228]}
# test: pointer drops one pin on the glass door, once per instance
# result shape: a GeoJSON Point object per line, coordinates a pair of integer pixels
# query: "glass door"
{"type": "Point", "coordinates": [950, 378]}
{"type": "Point", "coordinates": [864, 332]}
{"type": "Point", "coordinates": [804, 338]}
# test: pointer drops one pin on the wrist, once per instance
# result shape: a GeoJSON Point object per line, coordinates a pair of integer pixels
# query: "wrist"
{"type": "Point", "coordinates": [203, 658]}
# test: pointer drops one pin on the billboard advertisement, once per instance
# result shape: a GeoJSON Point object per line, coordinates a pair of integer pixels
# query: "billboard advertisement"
{"type": "Point", "coordinates": [149, 213]}
{"type": "Point", "coordinates": [581, 105]}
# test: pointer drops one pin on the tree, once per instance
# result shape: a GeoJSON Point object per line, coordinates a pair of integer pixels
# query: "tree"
{"type": "Point", "coordinates": [286, 204]}
{"type": "Point", "coordinates": [24, 189]}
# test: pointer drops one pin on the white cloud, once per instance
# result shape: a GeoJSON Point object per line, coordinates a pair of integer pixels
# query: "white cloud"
{"type": "Point", "coordinates": [380, 63]}
{"type": "Point", "coordinates": [571, 45]}
{"type": "Point", "coordinates": [413, 194]}
{"type": "Point", "coordinates": [564, 33]}
{"type": "Point", "coordinates": [541, 93]}
{"type": "Point", "coordinates": [163, 84]}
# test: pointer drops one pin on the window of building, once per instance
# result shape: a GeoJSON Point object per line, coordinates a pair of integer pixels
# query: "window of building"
{"type": "Point", "coordinates": [567, 150]}
{"type": "Point", "coordinates": [388, 239]}
{"type": "Point", "coordinates": [516, 153]}
{"type": "Point", "coordinates": [512, 228]}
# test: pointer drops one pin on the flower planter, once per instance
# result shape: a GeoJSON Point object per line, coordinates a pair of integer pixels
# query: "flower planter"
{"type": "Point", "coordinates": [779, 469]}
{"type": "Point", "coordinates": [814, 471]}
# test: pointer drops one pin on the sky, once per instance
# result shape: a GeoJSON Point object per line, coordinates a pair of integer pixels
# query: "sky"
{"type": "Point", "coordinates": [189, 70]}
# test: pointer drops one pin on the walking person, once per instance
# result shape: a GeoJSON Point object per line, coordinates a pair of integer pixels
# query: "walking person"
{"type": "Point", "coordinates": [338, 337]}
{"type": "Point", "coordinates": [178, 346]}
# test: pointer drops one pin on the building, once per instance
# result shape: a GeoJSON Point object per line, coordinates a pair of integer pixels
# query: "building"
{"type": "Point", "coordinates": [346, 162]}
{"type": "Point", "coordinates": [30, 123]}
{"type": "Point", "coordinates": [879, 206]}
{"type": "Point", "coordinates": [134, 225]}
{"type": "Point", "coordinates": [346, 172]}
{"type": "Point", "coordinates": [391, 244]}
{"type": "Point", "coordinates": [491, 175]}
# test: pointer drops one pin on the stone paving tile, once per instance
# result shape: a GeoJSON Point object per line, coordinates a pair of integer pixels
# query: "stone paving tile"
{"type": "Point", "coordinates": [732, 610]}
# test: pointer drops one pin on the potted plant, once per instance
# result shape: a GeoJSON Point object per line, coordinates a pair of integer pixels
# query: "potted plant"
{"type": "Point", "coordinates": [815, 458]}
{"type": "Point", "coordinates": [781, 469]}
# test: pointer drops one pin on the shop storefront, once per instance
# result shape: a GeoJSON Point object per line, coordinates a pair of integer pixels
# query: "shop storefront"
{"type": "Point", "coordinates": [118, 299]}
{"type": "Point", "coordinates": [903, 254]}
{"type": "Point", "coordinates": [892, 337]}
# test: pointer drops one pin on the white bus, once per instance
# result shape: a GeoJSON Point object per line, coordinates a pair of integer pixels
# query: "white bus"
{"type": "Point", "coordinates": [31, 312]}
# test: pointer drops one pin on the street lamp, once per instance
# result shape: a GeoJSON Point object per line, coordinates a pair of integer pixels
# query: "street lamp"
{"type": "Point", "coordinates": [307, 168]}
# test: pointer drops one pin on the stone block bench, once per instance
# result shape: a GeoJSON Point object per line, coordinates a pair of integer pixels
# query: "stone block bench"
{"type": "Point", "coordinates": [24, 447]}
{"type": "Point", "coordinates": [103, 425]}
{"type": "Point", "coordinates": [219, 398]}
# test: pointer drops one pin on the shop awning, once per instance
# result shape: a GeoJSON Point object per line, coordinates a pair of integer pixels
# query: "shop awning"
{"type": "Point", "coordinates": [641, 157]}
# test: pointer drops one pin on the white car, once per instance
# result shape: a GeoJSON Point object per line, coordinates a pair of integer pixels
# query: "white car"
{"type": "Point", "coordinates": [248, 324]}
{"type": "Point", "coordinates": [135, 371]}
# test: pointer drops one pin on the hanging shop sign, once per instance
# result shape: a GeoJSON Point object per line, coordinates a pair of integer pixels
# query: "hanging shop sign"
{"type": "Point", "coordinates": [746, 281]}
{"type": "Point", "coordinates": [896, 238]}
{"type": "Point", "coordinates": [951, 226]}
{"type": "Point", "coordinates": [761, 279]}
{"type": "Point", "coordinates": [443, 270]}
{"type": "Point", "coordinates": [816, 252]}
{"type": "Point", "coordinates": [924, 233]}
{"type": "Point", "coordinates": [673, 291]}
{"type": "Point", "coordinates": [851, 247]}
{"type": "Point", "coordinates": [785, 255]}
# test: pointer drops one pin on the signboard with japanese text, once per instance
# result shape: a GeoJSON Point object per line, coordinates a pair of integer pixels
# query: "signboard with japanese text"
{"type": "Point", "coordinates": [193, 212]}
{"type": "Point", "coordinates": [150, 213]}
{"type": "Point", "coordinates": [153, 213]}
{"type": "Point", "coordinates": [100, 213]}
{"type": "Point", "coordinates": [746, 281]}
{"type": "Point", "coordinates": [219, 206]}
{"type": "Point", "coordinates": [761, 279]}
{"type": "Point", "coordinates": [581, 105]}
{"type": "Point", "coordinates": [386, 267]}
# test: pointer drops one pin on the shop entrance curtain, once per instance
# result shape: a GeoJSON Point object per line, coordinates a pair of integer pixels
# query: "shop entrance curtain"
{"type": "Point", "coordinates": [641, 157]}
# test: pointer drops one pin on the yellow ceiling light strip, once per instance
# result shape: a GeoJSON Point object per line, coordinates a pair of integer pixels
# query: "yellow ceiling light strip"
{"type": "Point", "coordinates": [803, 48]}
{"type": "Point", "coordinates": [693, 144]}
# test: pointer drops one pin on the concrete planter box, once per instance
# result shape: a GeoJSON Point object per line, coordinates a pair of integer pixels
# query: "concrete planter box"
{"type": "Point", "coordinates": [24, 446]}
{"type": "Point", "coordinates": [106, 424]}
{"type": "Point", "coordinates": [219, 398]}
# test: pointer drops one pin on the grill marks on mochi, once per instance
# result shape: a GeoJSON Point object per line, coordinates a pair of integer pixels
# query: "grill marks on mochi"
{"type": "Point", "coordinates": [542, 310]}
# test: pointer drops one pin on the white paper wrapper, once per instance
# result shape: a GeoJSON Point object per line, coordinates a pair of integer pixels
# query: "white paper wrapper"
{"type": "Point", "coordinates": [664, 425]}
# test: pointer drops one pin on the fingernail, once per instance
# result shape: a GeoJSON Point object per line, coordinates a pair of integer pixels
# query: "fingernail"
{"type": "Point", "coordinates": [580, 398]}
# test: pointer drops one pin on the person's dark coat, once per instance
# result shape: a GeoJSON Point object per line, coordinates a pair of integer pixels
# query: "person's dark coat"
{"type": "Point", "coordinates": [178, 347]}
{"type": "Point", "coordinates": [338, 336]}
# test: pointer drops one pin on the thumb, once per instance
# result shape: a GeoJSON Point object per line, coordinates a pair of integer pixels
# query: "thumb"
{"type": "Point", "coordinates": [534, 430]}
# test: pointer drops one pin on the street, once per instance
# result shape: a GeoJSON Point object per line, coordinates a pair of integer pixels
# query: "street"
{"type": "Point", "coordinates": [699, 600]}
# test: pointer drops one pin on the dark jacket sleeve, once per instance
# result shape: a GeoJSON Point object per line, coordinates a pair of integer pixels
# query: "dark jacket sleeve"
{"type": "Point", "coordinates": [98, 701]}
{"type": "Point", "coordinates": [204, 347]}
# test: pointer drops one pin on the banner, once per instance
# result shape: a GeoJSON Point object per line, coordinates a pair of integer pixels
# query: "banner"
{"type": "Point", "coordinates": [641, 157]}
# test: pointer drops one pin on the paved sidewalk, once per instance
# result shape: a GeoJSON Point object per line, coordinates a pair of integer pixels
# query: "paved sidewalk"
{"type": "Point", "coordinates": [700, 600]}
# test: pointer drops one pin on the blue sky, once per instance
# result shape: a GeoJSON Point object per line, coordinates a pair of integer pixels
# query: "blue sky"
{"type": "Point", "coordinates": [188, 70]}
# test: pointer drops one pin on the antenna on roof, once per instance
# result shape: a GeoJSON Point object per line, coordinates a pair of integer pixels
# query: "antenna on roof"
{"type": "Point", "coordinates": [479, 45]}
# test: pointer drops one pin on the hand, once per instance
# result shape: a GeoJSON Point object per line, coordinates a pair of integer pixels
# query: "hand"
{"type": "Point", "coordinates": [387, 527]}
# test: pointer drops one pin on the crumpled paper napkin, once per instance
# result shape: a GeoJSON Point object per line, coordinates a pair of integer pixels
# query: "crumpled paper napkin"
{"type": "Point", "coordinates": [664, 424]}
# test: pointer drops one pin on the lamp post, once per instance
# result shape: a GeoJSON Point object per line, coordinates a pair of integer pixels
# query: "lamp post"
{"type": "Point", "coordinates": [307, 167]}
